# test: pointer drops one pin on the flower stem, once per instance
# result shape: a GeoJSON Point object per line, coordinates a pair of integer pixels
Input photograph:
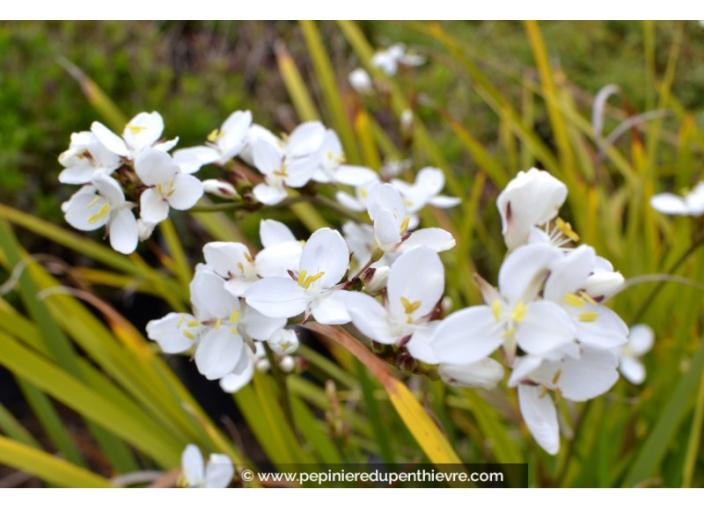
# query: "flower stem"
{"type": "Point", "coordinates": [280, 379]}
{"type": "Point", "coordinates": [696, 243]}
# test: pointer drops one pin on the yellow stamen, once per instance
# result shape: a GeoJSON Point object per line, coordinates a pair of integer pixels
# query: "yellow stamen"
{"type": "Point", "coordinates": [282, 171]}
{"type": "Point", "coordinates": [330, 156]}
{"type": "Point", "coordinates": [496, 309]}
{"type": "Point", "coordinates": [363, 193]}
{"type": "Point", "coordinates": [94, 201]}
{"type": "Point", "coordinates": [189, 335]}
{"type": "Point", "coordinates": [302, 277]}
{"type": "Point", "coordinates": [240, 267]}
{"type": "Point", "coordinates": [573, 300]}
{"type": "Point", "coordinates": [556, 377]}
{"type": "Point", "coordinates": [404, 224]}
{"type": "Point", "coordinates": [544, 392]}
{"type": "Point", "coordinates": [217, 323]}
{"type": "Point", "coordinates": [566, 229]}
{"type": "Point", "coordinates": [191, 324]}
{"type": "Point", "coordinates": [234, 316]}
{"type": "Point", "coordinates": [519, 312]}
{"type": "Point", "coordinates": [215, 135]}
{"type": "Point", "coordinates": [409, 307]}
{"type": "Point", "coordinates": [135, 129]}
{"type": "Point", "coordinates": [248, 257]}
{"type": "Point", "coordinates": [313, 278]}
{"type": "Point", "coordinates": [104, 210]}
{"type": "Point", "coordinates": [587, 317]}
{"type": "Point", "coordinates": [587, 297]}
{"type": "Point", "coordinates": [180, 321]}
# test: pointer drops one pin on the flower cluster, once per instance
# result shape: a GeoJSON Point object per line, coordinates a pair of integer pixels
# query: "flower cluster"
{"type": "Point", "coordinates": [382, 275]}
{"type": "Point", "coordinates": [547, 316]}
{"type": "Point", "coordinates": [136, 164]}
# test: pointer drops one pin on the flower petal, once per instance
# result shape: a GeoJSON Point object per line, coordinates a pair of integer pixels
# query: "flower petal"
{"type": "Point", "coordinates": [173, 333]}
{"type": "Point", "coordinates": [273, 232]}
{"type": "Point", "coordinates": [466, 336]}
{"type": "Point", "coordinates": [416, 278]}
{"type": "Point", "coordinates": [325, 252]}
{"type": "Point", "coordinates": [218, 353]}
{"type": "Point", "coordinates": [219, 472]}
{"type": "Point", "coordinates": [540, 416]}
{"type": "Point", "coordinates": [369, 317]}
{"type": "Point", "coordinates": [331, 309]}
{"type": "Point", "coordinates": [152, 206]}
{"type": "Point", "coordinates": [186, 191]}
{"type": "Point", "coordinates": [434, 238]}
{"type": "Point", "coordinates": [277, 297]}
{"type": "Point", "coordinates": [124, 234]}
{"type": "Point", "coordinates": [193, 466]}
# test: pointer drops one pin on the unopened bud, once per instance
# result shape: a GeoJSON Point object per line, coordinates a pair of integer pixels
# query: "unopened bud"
{"type": "Point", "coordinates": [220, 188]}
{"type": "Point", "coordinates": [603, 284]}
{"type": "Point", "coordinates": [360, 81]}
{"type": "Point", "coordinates": [375, 278]}
{"type": "Point", "coordinates": [406, 120]}
{"type": "Point", "coordinates": [263, 365]}
{"type": "Point", "coordinates": [284, 341]}
{"type": "Point", "coordinates": [287, 364]}
{"type": "Point", "coordinates": [446, 305]}
{"type": "Point", "coordinates": [405, 362]}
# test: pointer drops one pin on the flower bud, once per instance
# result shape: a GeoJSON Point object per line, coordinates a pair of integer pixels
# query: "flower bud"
{"type": "Point", "coordinates": [360, 81]}
{"type": "Point", "coordinates": [284, 341]}
{"type": "Point", "coordinates": [375, 278]}
{"type": "Point", "coordinates": [446, 305]}
{"type": "Point", "coordinates": [603, 284]}
{"type": "Point", "coordinates": [263, 365]}
{"type": "Point", "coordinates": [287, 364]}
{"type": "Point", "coordinates": [485, 373]}
{"type": "Point", "coordinates": [220, 188]}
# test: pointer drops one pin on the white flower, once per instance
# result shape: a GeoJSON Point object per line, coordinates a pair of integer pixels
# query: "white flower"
{"type": "Point", "coordinates": [357, 203]}
{"type": "Point", "coordinates": [640, 341]}
{"type": "Point", "coordinates": [691, 204]}
{"type": "Point", "coordinates": [224, 143]}
{"type": "Point", "coordinates": [84, 157]}
{"type": "Point", "coordinates": [415, 286]}
{"type": "Point", "coordinates": [394, 167]}
{"type": "Point", "coordinates": [595, 324]}
{"type": "Point", "coordinates": [168, 186]}
{"type": "Point", "coordinates": [429, 183]}
{"type": "Point", "coordinates": [332, 168]}
{"type": "Point", "coordinates": [485, 373]}
{"type": "Point", "coordinates": [324, 261]}
{"type": "Point", "coordinates": [243, 372]}
{"type": "Point", "coordinates": [236, 266]}
{"type": "Point", "coordinates": [531, 199]}
{"type": "Point", "coordinates": [217, 474]}
{"type": "Point", "coordinates": [392, 221]}
{"type": "Point", "coordinates": [360, 81]}
{"type": "Point", "coordinates": [389, 59]}
{"type": "Point", "coordinates": [103, 204]}
{"type": "Point", "coordinates": [290, 164]}
{"type": "Point", "coordinates": [142, 132]}
{"type": "Point", "coordinates": [255, 133]}
{"type": "Point", "coordinates": [512, 317]}
{"type": "Point", "coordinates": [580, 378]}
{"type": "Point", "coordinates": [218, 327]}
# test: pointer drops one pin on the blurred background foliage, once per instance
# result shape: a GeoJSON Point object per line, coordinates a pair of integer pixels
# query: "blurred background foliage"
{"type": "Point", "coordinates": [196, 73]}
{"type": "Point", "coordinates": [494, 98]}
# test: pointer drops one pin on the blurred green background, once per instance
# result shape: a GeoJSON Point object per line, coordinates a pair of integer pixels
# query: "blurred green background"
{"type": "Point", "coordinates": [196, 73]}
